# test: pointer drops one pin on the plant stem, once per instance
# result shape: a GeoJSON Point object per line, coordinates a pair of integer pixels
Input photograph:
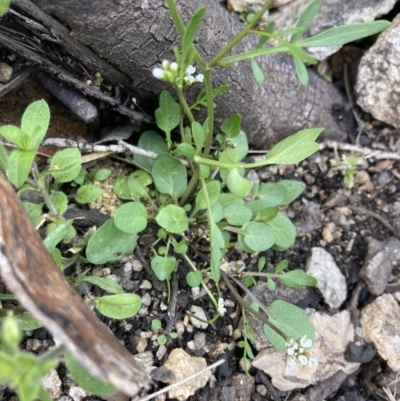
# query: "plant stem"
{"type": "Point", "coordinates": [191, 187]}
{"type": "Point", "coordinates": [194, 268]}
{"type": "Point", "coordinates": [43, 190]}
{"type": "Point", "coordinates": [210, 110]}
{"type": "Point", "coordinates": [183, 102]}
{"type": "Point", "coordinates": [244, 305]}
{"type": "Point", "coordinates": [240, 35]}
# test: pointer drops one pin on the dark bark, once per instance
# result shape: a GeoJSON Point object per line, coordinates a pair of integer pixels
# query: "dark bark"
{"type": "Point", "coordinates": [135, 36]}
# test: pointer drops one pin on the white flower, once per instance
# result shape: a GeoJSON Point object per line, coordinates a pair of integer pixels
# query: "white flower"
{"type": "Point", "coordinates": [312, 362]}
{"type": "Point", "coordinates": [302, 359]}
{"type": "Point", "coordinates": [305, 342]}
{"type": "Point", "coordinates": [190, 70]}
{"type": "Point", "coordinates": [290, 364]}
{"type": "Point", "coordinates": [165, 64]}
{"type": "Point", "coordinates": [221, 306]}
{"type": "Point", "coordinates": [189, 80]}
{"type": "Point", "coordinates": [174, 66]}
{"type": "Point", "coordinates": [158, 73]}
{"type": "Point", "coordinates": [199, 78]}
{"type": "Point", "coordinates": [290, 342]}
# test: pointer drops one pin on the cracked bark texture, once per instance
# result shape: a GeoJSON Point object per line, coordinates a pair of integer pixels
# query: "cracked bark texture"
{"type": "Point", "coordinates": [136, 36]}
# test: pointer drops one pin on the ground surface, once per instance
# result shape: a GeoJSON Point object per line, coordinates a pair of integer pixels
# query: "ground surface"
{"type": "Point", "coordinates": [326, 215]}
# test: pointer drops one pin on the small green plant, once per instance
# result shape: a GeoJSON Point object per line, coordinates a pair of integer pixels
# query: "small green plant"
{"type": "Point", "coordinates": [192, 190]}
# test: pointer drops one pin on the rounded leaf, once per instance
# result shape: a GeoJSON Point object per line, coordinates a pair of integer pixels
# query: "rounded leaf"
{"type": "Point", "coordinates": [88, 193]}
{"type": "Point", "coordinates": [194, 278]}
{"type": "Point", "coordinates": [237, 185]}
{"type": "Point", "coordinates": [259, 236]}
{"type": "Point", "coordinates": [237, 214]}
{"type": "Point", "coordinates": [163, 267]}
{"type": "Point", "coordinates": [131, 217]}
{"type": "Point", "coordinates": [173, 219]}
{"type": "Point", "coordinates": [120, 306]}
{"type": "Point", "coordinates": [65, 165]}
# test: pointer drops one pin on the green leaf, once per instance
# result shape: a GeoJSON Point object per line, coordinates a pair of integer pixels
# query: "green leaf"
{"type": "Point", "coordinates": [289, 318]}
{"type": "Point", "coordinates": [237, 214]}
{"type": "Point", "coordinates": [281, 266]}
{"type": "Point", "coordinates": [102, 174]}
{"type": "Point", "coordinates": [173, 219]}
{"type": "Point", "coordinates": [242, 244]}
{"type": "Point", "coordinates": [295, 148]}
{"type": "Point", "coordinates": [19, 165]}
{"type": "Point", "coordinates": [65, 165]}
{"type": "Point", "coordinates": [216, 212]}
{"type": "Point", "coordinates": [301, 70]}
{"type": "Point", "coordinates": [191, 31]}
{"type": "Point", "coordinates": [156, 324]}
{"type": "Point", "coordinates": [341, 35]}
{"type": "Point", "coordinates": [152, 141]}
{"type": "Point", "coordinates": [198, 135]}
{"type": "Point", "coordinates": [4, 6]}
{"type": "Point", "coordinates": [3, 157]}
{"type": "Point", "coordinates": [187, 150]}
{"type": "Point", "coordinates": [294, 189]}
{"type": "Point", "coordinates": [14, 135]}
{"type": "Point", "coordinates": [169, 175]}
{"type": "Point", "coordinates": [181, 247]}
{"type": "Point", "coordinates": [88, 193]}
{"type": "Point", "coordinates": [213, 191]}
{"type": "Point", "coordinates": [267, 214]}
{"type": "Point", "coordinates": [60, 201]}
{"type": "Point", "coordinates": [27, 322]}
{"type": "Point", "coordinates": [57, 234]}
{"type": "Point", "coordinates": [168, 114]}
{"type": "Point", "coordinates": [241, 145]}
{"type": "Point", "coordinates": [120, 306]}
{"type": "Point", "coordinates": [257, 72]}
{"type": "Point", "coordinates": [237, 185]}
{"type": "Point", "coordinates": [34, 211]}
{"type": "Point", "coordinates": [85, 380]}
{"type": "Point", "coordinates": [258, 237]}
{"type": "Point", "coordinates": [270, 194]}
{"type": "Point", "coordinates": [163, 266]}
{"type": "Point", "coordinates": [162, 339]}
{"type": "Point", "coordinates": [306, 18]}
{"type": "Point", "coordinates": [269, 28]}
{"type": "Point", "coordinates": [123, 188]}
{"type": "Point", "coordinates": [231, 126]}
{"type": "Point", "coordinates": [271, 284]}
{"type": "Point", "coordinates": [109, 243]}
{"type": "Point", "coordinates": [105, 283]}
{"type": "Point", "coordinates": [131, 218]}
{"type": "Point", "coordinates": [194, 278]}
{"type": "Point", "coordinates": [35, 122]}
{"type": "Point", "coordinates": [297, 278]}
{"type": "Point", "coordinates": [284, 231]}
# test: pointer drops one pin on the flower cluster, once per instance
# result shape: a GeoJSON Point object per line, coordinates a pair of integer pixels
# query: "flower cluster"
{"type": "Point", "coordinates": [297, 350]}
{"type": "Point", "coordinates": [170, 72]}
{"type": "Point", "coordinates": [221, 306]}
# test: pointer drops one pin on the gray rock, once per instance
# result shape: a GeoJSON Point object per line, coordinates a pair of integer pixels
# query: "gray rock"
{"type": "Point", "coordinates": [198, 312]}
{"type": "Point", "coordinates": [52, 384]}
{"type": "Point", "coordinates": [333, 333]}
{"type": "Point", "coordinates": [6, 72]}
{"type": "Point", "coordinates": [331, 281]}
{"type": "Point", "coordinates": [378, 82]}
{"type": "Point", "coordinates": [380, 322]}
{"type": "Point", "coordinates": [331, 14]}
{"type": "Point", "coordinates": [378, 263]}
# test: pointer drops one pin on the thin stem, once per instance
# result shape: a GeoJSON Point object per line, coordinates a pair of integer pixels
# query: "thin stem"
{"type": "Point", "coordinates": [43, 190]}
{"type": "Point", "coordinates": [244, 305]}
{"type": "Point", "coordinates": [190, 188]}
{"type": "Point", "coordinates": [210, 110]}
{"type": "Point", "coordinates": [240, 35]}
{"type": "Point", "coordinates": [183, 102]}
{"type": "Point", "coordinates": [194, 268]}
{"type": "Point", "coordinates": [230, 166]}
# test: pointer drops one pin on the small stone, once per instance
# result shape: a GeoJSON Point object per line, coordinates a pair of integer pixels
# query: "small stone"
{"type": "Point", "coordinates": [331, 281]}
{"type": "Point", "coordinates": [244, 385]}
{"type": "Point", "coordinates": [198, 312]}
{"type": "Point", "coordinates": [128, 267]}
{"type": "Point", "coordinates": [183, 365]}
{"type": "Point", "coordinates": [228, 393]}
{"type": "Point", "coordinates": [143, 311]}
{"type": "Point", "coordinates": [261, 389]}
{"type": "Point", "coordinates": [145, 358]}
{"type": "Point", "coordinates": [162, 350]}
{"type": "Point", "coordinates": [137, 265]}
{"type": "Point", "coordinates": [6, 72]}
{"type": "Point", "coordinates": [52, 384]}
{"type": "Point", "coordinates": [380, 322]}
{"type": "Point", "coordinates": [328, 231]}
{"type": "Point", "coordinates": [146, 299]}
{"type": "Point", "coordinates": [77, 393]}
{"type": "Point", "coordinates": [141, 345]}
{"type": "Point", "coordinates": [146, 285]}
{"type": "Point", "coordinates": [378, 263]}
{"type": "Point", "coordinates": [199, 340]}
{"type": "Point", "coordinates": [195, 293]}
